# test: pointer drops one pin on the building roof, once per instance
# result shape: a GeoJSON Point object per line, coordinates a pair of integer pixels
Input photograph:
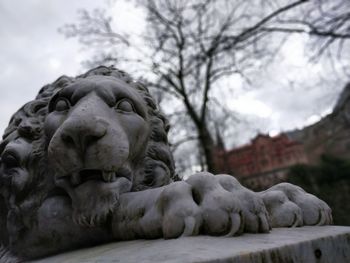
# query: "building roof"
{"type": "Point", "coordinates": [279, 137]}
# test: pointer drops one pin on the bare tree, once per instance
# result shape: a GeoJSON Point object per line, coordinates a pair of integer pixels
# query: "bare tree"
{"type": "Point", "coordinates": [192, 45]}
{"type": "Point", "coordinates": [326, 22]}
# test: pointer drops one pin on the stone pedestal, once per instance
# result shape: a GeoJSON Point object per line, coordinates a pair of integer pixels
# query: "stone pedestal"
{"type": "Point", "coordinates": [306, 244]}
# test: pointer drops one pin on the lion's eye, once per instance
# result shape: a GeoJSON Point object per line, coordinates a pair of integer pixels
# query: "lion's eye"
{"type": "Point", "coordinates": [10, 160]}
{"type": "Point", "coordinates": [62, 104]}
{"type": "Point", "coordinates": [125, 105]}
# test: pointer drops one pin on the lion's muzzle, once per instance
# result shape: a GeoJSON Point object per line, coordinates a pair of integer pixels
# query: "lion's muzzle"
{"type": "Point", "coordinates": [79, 134]}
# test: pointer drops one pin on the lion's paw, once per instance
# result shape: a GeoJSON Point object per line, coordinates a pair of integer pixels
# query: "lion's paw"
{"type": "Point", "coordinates": [226, 206]}
{"type": "Point", "coordinates": [199, 205]}
{"type": "Point", "coordinates": [255, 215]}
{"type": "Point", "coordinates": [289, 205]}
{"type": "Point", "coordinates": [282, 211]}
{"type": "Point", "coordinates": [180, 214]}
{"type": "Point", "coordinates": [220, 209]}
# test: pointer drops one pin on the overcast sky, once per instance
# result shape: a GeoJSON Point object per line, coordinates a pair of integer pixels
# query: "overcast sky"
{"type": "Point", "coordinates": [33, 53]}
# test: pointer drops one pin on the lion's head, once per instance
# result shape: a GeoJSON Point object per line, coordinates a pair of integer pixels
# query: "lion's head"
{"type": "Point", "coordinates": [91, 138]}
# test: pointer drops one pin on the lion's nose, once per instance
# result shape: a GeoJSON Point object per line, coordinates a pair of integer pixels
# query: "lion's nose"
{"type": "Point", "coordinates": [81, 134]}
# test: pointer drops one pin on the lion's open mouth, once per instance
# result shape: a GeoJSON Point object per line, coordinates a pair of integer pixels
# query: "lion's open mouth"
{"type": "Point", "coordinates": [80, 177]}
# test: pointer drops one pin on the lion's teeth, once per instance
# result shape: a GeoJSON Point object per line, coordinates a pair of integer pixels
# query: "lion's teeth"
{"type": "Point", "coordinates": [75, 179]}
{"type": "Point", "coordinates": [107, 176]}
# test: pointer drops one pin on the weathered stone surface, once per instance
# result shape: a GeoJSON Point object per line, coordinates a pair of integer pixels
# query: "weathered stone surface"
{"type": "Point", "coordinates": [305, 244]}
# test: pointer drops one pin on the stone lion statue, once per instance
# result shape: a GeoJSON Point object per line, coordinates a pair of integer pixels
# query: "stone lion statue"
{"type": "Point", "coordinates": [88, 162]}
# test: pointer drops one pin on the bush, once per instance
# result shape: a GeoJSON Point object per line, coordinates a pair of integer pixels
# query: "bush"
{"type": "Point", "coordinates": [330, 181]}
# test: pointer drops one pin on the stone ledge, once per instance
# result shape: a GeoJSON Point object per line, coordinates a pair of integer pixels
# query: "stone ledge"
{"type": "Point", "coordinates": [306, 244]}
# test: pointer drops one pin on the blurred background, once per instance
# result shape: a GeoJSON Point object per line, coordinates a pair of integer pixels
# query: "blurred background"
{"type": "Point", "coordinates": [257, 89]}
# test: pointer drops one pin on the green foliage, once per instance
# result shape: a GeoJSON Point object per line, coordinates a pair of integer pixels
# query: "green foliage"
{"type": "Point", "coordinates": [330, 181]}
{"type": "Point", "coordinates": [331, 169]}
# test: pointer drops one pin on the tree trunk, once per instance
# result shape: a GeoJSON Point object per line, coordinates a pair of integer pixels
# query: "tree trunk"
{"type": "Point", "coordinates": [207, 144]}
{"type": "Point", "coordinates": [205, 139]}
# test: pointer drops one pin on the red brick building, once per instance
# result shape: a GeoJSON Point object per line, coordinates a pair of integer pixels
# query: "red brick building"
{"type": "Point", "coordinates": [262, 155]}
